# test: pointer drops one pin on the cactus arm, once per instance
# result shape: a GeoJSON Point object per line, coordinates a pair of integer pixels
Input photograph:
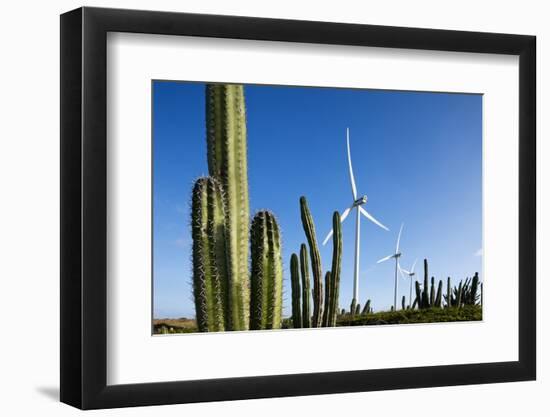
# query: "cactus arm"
{"type": "Point", "coordinates": [296, 296]}
{"type": "Point", "coordinates": [304, 270]}
{"type": "Point", "coordinates": [309, 229]}
{"type": "Point", "coordinates": [226, 150]}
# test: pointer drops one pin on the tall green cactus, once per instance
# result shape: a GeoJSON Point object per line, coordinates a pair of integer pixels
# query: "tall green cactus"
{"type": "Point", "coordinates": [309, 229]}
{"type": "Point", "coordinates": [326, 307]}
{"type": "Point", "coordinates": [336, 268]}
{"type": "Point", "coordinates": [304, 270]}
{"type": "Point", "coordinates": [403, 303]}
{"type": "Point", "coordinates": [227, 149]}
{"type": "Point", "coordinates": [210, 275]}
{"type": "Point", "coordinates": [352, 307]}
{"type": "Point", "coordinates": [296, 295]}
{"type": "Point", "coordinates": [266, 281]}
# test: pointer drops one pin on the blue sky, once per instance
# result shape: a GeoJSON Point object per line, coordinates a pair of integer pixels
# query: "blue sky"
{"type": "Point", "coordinates": [416, 155]}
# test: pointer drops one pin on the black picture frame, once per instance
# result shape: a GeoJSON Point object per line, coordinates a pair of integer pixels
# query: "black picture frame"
{"type": "Point", "coordinates": [84, 207]}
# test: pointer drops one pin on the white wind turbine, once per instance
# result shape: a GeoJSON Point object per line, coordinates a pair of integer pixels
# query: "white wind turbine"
{"type": "Point", "coordinates": [395, 256]}
{"type": "Point", "coordinates": [357, 204]}
{"type": "Point", "coordinates": [411, 274]}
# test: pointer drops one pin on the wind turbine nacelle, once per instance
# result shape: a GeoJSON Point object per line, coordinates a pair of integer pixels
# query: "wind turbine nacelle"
{"type": "Point", "coordinates": [361, 200]}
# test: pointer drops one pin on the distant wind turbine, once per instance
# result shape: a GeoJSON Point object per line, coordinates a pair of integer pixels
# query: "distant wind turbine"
{"type": "Point", "coordinates": [395, 256]}
{"type": "Point", "coordinates": [357, 204]}
{"type": "Point", "coordinates": [411, 274]}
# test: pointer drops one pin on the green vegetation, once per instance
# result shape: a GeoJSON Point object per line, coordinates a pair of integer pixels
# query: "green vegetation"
{"type": "Point", "coordinates": [407, 316]}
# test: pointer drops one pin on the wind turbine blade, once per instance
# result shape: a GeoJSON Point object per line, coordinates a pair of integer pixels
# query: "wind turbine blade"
{"type": "Point", "coordinates": [384, 259]}
{"type": "Point", "coordinates": [414, 264]}
{"type": "Point", "coordinates": [405, 271]}
{"type": "Point", "coordinates": [398, 239]}
{"type": "Point", "coordinates": [328, 237]}
{"type": "Point", "coordinates": [372, 219]}
{"type": "Point", "coordinates": [345, 214]}
{"type": "Point", "coordinates": [352, 178]}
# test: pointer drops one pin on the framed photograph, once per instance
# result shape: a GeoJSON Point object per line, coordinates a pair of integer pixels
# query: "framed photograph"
{"type": "Point", "coordinates": [261, 208]}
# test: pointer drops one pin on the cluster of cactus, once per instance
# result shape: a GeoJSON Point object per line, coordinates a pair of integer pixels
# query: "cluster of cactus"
{"type": "Point", "coordinates": [221, 230]}
{"type": "Point", "coordinates": [428, 296]}
{"type": "Point", "coordinates": [465, 294]}
{"type": "Point", "coordinates": [325, 308]}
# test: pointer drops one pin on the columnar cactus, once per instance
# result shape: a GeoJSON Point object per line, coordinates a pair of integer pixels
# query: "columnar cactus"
{"type": "Point", "coordinates": [366, 309]}
{"type": "Point", "coordinates": [403, 306]}
{"type": "Point", "coordinates": [425, 294]}
{"type": "Point", "coordinates": [326, 307]}
{"type": "Point", "coordinates": [418, 300]}
{"type": "Point", "coordinates": [352, 307]}
{"type": "Point", "coordinates": [473, 291]}
{"type": "Point", "coordinates": [448, 292]}
{"type": "Point", "coordinates": [266, 283]}
{"type": "Point", "coordinates": [304, 270]}
{"type": "Point", "coordinates": [309, 229]}
{"type": "Point", "coordinates": [358, 309]}
{"type": "Point", "coordinates": [438, 295]}
{"type": "Point", "coordinates": [459, 295]}
{"type": "Point", "coordinates": [210, 275]}
{"type": "Point", "coordinates": [227, 149]}
{"type": "Point", "coordinates": [432, 292]}
{"type": "Point", "coordinates": [336, 267]}
{"type": "Point", "coordinates": [296, 296]}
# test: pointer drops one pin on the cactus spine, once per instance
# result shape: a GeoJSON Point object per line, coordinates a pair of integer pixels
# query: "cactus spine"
{"type": "Point", "coordinates": [210, 278]}
{"type": "Point", "coordinates": [336, 268]}
{"type": "Point", "coordinates": [309, 229]}
{"type": "Point", "coordinates": [296, 296]}
{"type": "Point", "coordinates": [266, 282]}
{"type": "Point", "coordinates": [227, 149]}
{"type": "Point", "coordinates": [304, 270]}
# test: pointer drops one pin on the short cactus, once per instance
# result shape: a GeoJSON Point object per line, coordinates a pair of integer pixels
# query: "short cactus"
{"type": "Point", "coordinates": [210, 277]}
{"type": "Point", "coordinates": [266, 283]}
